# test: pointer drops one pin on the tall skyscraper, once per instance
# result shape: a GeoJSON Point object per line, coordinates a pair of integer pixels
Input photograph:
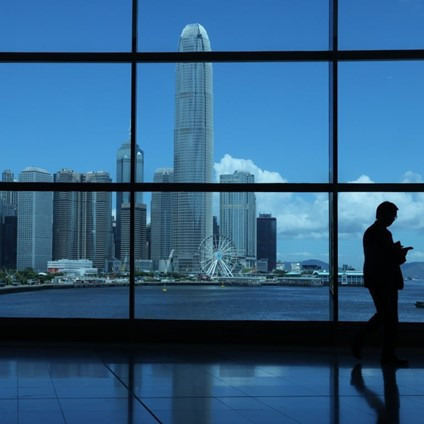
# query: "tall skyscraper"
{"type": "Point", "coordinates": [66, 217]}
{"type": "Point", "coordinates": [8, 224]}
{"type": "Point", "coordinates": [8, 241]}
{"type": "Point", "coordinates": [140, 246]}
{"type": "Point", "coordinates": [193, 149]}
{"type": "Point", "coordinates": [238, 217]}
{"type": "Point", "coordinates": [82, 221]}
{"type": "Point", "coordinates": [96, 222]}
{"type": "Point", "coordinates": [267, 239]}
{"type": "Point", "coordinates": [123, 175]}
{"type": "Point", "coordinates": [9, 198]}
{"type": "Point", "coordinates": [35, 222]}
{"type": "Point", "coordinates": [161, 219]}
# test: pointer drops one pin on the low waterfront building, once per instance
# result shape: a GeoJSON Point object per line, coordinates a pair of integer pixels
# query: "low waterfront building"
{"type": "Point", "coordinates": [78, 267]}
{"type": "Point", "coordinates": [345, 278]}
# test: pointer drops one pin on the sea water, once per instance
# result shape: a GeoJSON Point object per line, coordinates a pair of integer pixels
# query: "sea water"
{"type": "Point", "coordinates": [207, 303]}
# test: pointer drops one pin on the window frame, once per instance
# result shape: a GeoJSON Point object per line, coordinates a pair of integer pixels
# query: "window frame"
{"type": "Point", "coordinates": [333, 56]}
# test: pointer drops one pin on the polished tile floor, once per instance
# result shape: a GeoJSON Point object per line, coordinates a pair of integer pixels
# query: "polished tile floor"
{"type": "Point", "coordinates": [184, 384]}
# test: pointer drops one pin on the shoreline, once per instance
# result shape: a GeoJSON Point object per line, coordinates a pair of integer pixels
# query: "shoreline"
{"type": "Point", "coordinates": [7, 289]}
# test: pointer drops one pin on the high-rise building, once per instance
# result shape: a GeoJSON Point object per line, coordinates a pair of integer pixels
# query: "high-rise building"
{"type": "Point", "coordinates": [9, 198]}
{"type": "Point", "coordinates": [35, 222]}
{"type": "Point", "coordinates": [8, 236]}
{"type": "Point", "coordinates": [140, 246]}
{"type": "Point", "coordinates": [8, 224]}
{"type": "Point", "coordinates": [267, 239]}
{"type": "Point", "coordinates": [238, 216]}
{"type": "Point", "coordinates": [123, 175]}
{"type": "Point", "coordinates": [161, 219]}
{"type": "Point", "coordinates": [82, 221]}
{"type": "Point", "coordinates": [215, 226]}
{"type": "Point", "coordinates": [66, 218]}
{"type": "Point", "coordinates": [193, 149]}
{"type": "Point", "coordinates": [96, 222]}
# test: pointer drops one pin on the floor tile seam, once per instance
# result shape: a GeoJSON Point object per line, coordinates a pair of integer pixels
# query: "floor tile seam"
{"type": "Point", "coordinates": [248, 391]}
{"type": "Point", "coordinates": [378, 394]}
{"type": "Point", "coordinates": [294, 420]}
{"type": "Point", "coordinates": [38, 398]}
{"type": "Point", "coordinates": [268, 408]}
{"type": "Point", "coordinates": [19, 411]}
{"type": "Point", "coordinates": [91, 397]}
{"type": "Point", "coordinates": [283, 396]}
{"type": "Point", "coordinates": [130, 391]}
{"type": "Point", "coordinates": [49, 368]}
{"type": "Point", "coordinates": [238, 397]}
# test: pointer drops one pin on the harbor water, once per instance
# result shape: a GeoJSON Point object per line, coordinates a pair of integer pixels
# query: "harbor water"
{"type": "Point", "coordinates": [207, 302]}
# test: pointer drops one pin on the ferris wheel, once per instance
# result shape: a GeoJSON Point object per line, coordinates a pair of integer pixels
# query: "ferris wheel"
{"type": "Point", "coordinates": [218, 256]}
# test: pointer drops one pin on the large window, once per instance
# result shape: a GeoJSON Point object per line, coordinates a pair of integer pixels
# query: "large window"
{"type": "Point", "coordinates": [173, 132]}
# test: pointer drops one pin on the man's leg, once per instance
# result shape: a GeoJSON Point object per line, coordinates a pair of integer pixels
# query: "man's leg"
{"type": "Point", "coordinates": [373, 324]}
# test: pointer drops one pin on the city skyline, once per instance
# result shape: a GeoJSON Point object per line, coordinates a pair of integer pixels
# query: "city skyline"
{"type": "Point", "coordinates": [260, 109]}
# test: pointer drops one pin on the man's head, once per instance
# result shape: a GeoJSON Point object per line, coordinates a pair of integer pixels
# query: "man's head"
{"type": "Point", "coordinates": [386, 213]}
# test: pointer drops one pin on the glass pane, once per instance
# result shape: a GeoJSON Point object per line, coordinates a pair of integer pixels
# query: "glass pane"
{"type": "Point", "coordinates": [63, 116]}
{"type": "Point", "coordinates": [216, 263]}
{"type": "Point", "coordinates": [66, 26]}
{"type": "Point", "coordinates": [255, 118]}
{"type": "Point", "coordinates": [357, 212]}
{"type": "Point", "coordinates": [57, 254]}
{"type": "Point", "coordinates": [237, 24]}
{"type": "Point", "coordinates": [381, 127]}
{"type": "Point", "coordinates": [381, 24]}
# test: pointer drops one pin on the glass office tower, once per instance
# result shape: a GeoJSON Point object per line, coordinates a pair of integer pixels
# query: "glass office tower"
{"type": "Point", "coordinates": [66, 217]}
{"type": "Point", "coordinates": [161, 221]}
{"type": "Point", "coordinates": [193, 149]}
{"type": "Point", "coordinates": [238, 217]}
{"type": "Point", "coordinates": [35, 222]}
{"type": "Point", "coordinates": [267, 239]}
{"type": "Point", "coordinates": [123, 175]}
{"type": "Point", "coordinates": [96, 222]}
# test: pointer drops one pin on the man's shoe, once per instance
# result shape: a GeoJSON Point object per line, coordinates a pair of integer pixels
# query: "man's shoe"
{"type": "Point", "coordinates": [394, 361]}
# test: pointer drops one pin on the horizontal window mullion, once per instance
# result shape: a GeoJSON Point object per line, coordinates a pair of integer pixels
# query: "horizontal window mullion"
{"type": "Point", "coordinates": [216, 187]}
{"type": "Point", "coordinates": [214, 56]}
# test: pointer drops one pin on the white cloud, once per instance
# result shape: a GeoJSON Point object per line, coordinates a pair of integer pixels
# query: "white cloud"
{"type": "Point", "coordinates": [305, 216]}
{"type": "Point", "coordinates": [415, 256]}
{"type": "Point", "coordinates": [228, 165]}
{"type": "Point", "coordinates": [411, 177]}
{"type": "Point", "coordinates": [297, 217]}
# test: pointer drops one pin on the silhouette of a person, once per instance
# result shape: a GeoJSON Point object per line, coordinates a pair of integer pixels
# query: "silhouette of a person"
{"type": "Point", "coordinates": [387, 411]}
{"type": "Point", "coordinates": [383, 278]}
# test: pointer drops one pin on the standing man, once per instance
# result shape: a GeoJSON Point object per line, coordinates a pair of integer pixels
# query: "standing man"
{"type": "Point", "coordinates": [383, 278]}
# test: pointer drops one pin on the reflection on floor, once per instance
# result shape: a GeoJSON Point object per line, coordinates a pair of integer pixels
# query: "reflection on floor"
{"type": "Point", "coordinates": [78, 384]}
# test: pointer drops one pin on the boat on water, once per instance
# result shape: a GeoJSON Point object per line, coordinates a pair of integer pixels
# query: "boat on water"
{"type": "Point", "coordinates": [419, 304]}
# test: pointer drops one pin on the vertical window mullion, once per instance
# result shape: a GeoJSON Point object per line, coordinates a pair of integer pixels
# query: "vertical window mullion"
{"type": "Point", "coordinates": [133, 158]}
{"type": "Point", "coordinates": [333, 161]}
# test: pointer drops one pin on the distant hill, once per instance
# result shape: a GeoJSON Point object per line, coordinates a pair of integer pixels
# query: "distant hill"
{"type": "Point", "coordinates": [413, 270]}
{"type": "Point", "coordinates": [409, 269]}
{"type": "Point", "coordinates": [324, 266]}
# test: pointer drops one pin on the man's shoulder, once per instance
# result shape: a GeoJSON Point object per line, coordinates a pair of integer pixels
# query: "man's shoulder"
{"type": "Point", "coordinates": [372, 229]}
{"type": "Point", "coordinates": [376, 228]}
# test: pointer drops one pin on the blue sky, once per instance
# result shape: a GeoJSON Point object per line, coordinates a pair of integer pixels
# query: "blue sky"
{"type": "Point", "coordinates": [270, 119]}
